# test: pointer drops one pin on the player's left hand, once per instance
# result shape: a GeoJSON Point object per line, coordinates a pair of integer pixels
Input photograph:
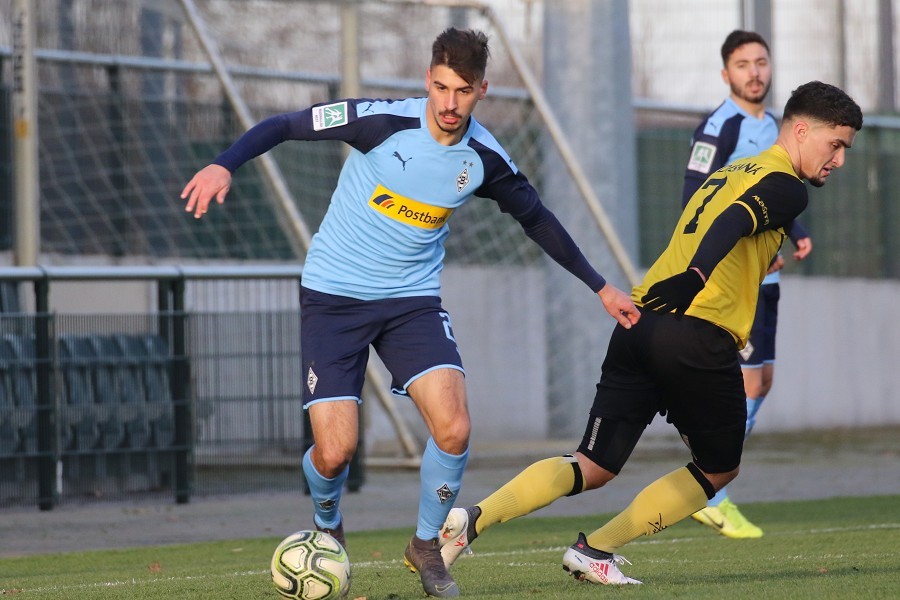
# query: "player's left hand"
{"type": "Point", "coordinates": [804, 247]}
{"type": "Point", "coordinates": [618, 304]}
{"type": "Point", "coordinates": [674, 293]}
{"type": "Point", "coordinates": [776, 265]}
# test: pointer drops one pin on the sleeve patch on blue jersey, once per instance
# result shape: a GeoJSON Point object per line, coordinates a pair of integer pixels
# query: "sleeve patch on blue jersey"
{"type": "Point", "coordinates": [701, 157]}
{"type": "Point", "coordinates": [329, 115]}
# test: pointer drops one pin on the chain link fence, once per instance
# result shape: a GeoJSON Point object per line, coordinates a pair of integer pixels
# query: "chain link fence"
{"type": "Point", "coordinates": [129, 107]}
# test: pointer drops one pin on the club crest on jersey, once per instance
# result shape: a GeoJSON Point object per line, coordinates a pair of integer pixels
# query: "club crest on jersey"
{"type": "Point", "coordinates": [444, 493]}
{"type": "Point", "coordinates": [408, 211]}
{"type": "Point", "coordinates": [702, 157]}
{"type": "Point", "coordinates": [329, 115]}
{"type": "Point", "coordinates": [462, 180]}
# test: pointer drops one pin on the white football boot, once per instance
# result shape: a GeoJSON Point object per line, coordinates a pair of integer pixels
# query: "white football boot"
{"type": "Point", "coordinates": [595, 566]}
{"type": "Point", "coordinates": [457, 533]}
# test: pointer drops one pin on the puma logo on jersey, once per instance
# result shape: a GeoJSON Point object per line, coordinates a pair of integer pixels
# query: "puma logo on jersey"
{"type": "Point", "coordinates": [402, 160]}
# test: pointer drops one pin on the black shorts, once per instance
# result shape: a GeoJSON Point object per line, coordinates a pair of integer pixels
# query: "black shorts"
{"type": "Point", "coordinates": [412, 336]}
{"type": "Point", "coordinates": [686, 369]}
{"type": "Point", "coordinates": [760, 348]}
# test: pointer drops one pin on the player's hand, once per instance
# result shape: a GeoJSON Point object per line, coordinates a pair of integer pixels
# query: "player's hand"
{"type": "Point", "coordinates": [804, 247]}
{"type": "Point", "coordinates": [212, 181]}
{"type": "Point", "coordinates": [776, 265]}
{"type": "Point", "coordinates": [618, 304]}
{"type": "Point", "coordinates": [674, 293]}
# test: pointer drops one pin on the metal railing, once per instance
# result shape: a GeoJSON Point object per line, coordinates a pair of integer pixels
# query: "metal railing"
{"type": "Point", "coordinates": [104, 404]}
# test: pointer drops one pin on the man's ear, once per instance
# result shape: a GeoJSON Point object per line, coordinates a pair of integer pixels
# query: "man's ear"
{"type": "Point", "coordinates": [801, 130]}
{"type": "Point", "coordinates": [483, 90]}
{"type": "Point", "coordinates": [428, 79]}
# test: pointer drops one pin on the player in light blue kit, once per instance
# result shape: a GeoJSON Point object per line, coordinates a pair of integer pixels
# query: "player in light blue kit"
{"type": "Point", "coordinates": [741, 127]}
{"type": "Point", "coordinates": [372, 275]}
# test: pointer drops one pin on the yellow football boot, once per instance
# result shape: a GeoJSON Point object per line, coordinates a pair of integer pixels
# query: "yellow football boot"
{"type": "Point", "coordinates": [727, 520]}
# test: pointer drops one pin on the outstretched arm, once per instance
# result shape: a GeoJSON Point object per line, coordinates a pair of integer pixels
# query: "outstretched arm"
{"type": "Point", "coordinates": [544, 228]}
{"type": "Point", "coordinates": [214, 180]}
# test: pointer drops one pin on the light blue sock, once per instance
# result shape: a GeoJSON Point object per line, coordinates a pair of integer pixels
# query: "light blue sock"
{"type": "Point", "coordinates": [753, 405]}
{"type": "Point", "coordinates": [326, 493]}
{"type": "Point", "coordinates": [441, 475]}
{"type": "Point", "coordinates": [717, 499]}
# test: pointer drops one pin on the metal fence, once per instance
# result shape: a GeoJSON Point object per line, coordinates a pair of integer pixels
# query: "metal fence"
{"type": "Point", "coordinates": [852, 220]}
{"type": "Point", "coordinates": [121, 134]}
{"type": "Point", "coordinates": [173, 402]}
{"type": "Point", "coordinates": [129, 106]}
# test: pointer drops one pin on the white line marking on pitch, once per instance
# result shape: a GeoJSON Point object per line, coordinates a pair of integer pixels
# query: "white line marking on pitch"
{"type": "Point", "coordinates": [384, 563]}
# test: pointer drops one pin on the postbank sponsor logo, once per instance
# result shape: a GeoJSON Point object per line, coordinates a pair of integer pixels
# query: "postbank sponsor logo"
{"type": "Point", "coordinates": [409, 211]}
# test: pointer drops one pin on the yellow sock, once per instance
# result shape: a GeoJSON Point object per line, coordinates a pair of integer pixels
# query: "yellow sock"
{"type": "Point", "coordinates": [535, 487]}
{"type": "Point", "coordinates": [664, 502]}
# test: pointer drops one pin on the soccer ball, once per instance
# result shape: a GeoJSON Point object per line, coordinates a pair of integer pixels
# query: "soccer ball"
{"type": "Point", "coordinates": [311, 565]}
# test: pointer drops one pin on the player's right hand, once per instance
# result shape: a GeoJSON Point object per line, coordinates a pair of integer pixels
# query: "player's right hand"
{"type": "Point", "coordinates": [212, 181]}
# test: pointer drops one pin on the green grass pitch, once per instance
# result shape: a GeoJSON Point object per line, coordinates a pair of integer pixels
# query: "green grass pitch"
{"type": "Point", "coordinates": [843, 548]}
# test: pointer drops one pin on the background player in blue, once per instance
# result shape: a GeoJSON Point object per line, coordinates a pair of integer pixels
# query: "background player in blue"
{"type": "Point", "coordinates": [372, 275]}
{"type": "Point", "coordinates": [741, 127]}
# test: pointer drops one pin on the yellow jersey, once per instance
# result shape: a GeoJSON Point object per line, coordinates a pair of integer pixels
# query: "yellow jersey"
{"type": "Point", "coordinates": [772, 194]}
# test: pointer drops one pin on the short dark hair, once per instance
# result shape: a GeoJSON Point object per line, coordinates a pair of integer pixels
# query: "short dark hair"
{"type": "Point", "coordinates": [738, 38]}
{"type": "Point", "coordinates": [464, 51]}
{"type": "Point", "coordinates": [824, 102]}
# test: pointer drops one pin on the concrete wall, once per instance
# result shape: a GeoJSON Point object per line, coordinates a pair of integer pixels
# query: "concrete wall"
{"type": "Point", "coordinates": [498, 321]}
{"type": "Point", "coordinates": [838, 354]}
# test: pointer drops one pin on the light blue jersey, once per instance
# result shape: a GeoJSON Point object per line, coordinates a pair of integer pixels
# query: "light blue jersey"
{"type": "Point", "coordinates": [727, 134]}
{"type": "Point", "coordinates": [383, 234]}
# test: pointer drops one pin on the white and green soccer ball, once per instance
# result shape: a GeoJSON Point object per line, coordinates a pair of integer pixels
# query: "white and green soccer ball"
{"type": "Point", "coordinates": [311, 565]}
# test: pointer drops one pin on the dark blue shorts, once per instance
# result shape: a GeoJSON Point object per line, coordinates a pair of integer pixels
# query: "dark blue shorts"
{"type": "Point", "coordinates": [412, 336]}
{"type": "Point", "coordinates": [760, 347]}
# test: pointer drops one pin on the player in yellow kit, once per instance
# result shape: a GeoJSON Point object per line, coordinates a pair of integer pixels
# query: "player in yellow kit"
{"type": "Point", "coordinates": [698, 302]}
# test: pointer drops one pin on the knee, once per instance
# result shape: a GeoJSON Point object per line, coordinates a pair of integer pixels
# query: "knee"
{"type": "Point", "coordinates": [594, 475]}
{"type": "Point", "coordinates": [753, 389]}
{"type": "Point", "coordinates": [598, 480]}
{"type": "Point", "coordinates": [453, 438]}
{"type": "Point", "coordinates": [331, 459]}
{"type": "Point", "coordinates": [720, 480]}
